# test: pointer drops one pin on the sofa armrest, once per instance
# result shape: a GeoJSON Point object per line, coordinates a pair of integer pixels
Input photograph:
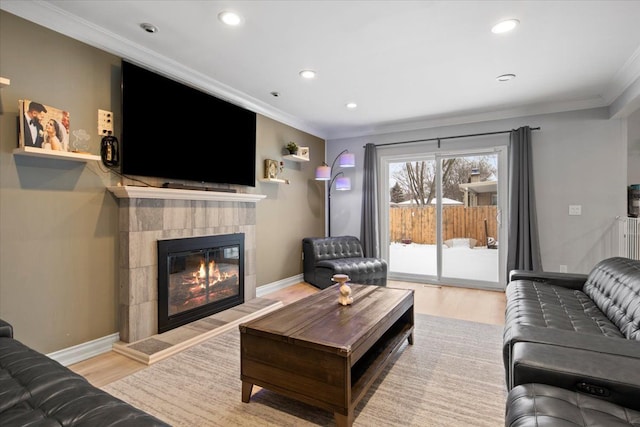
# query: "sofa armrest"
{"type": "Point", "coordinates": [606, 375]}
{"type": "Point", "coordinates": [563, 339]}
{"type": "Point", "coordinates": [6, 330]}
{"type": "Point", "coordinates": [567, 280]}
{"type": "Point", "coordinates": [571, 339]}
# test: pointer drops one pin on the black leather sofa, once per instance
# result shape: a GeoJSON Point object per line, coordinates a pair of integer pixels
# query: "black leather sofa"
{"type": "Point", "coordinates": [577, 334]}
{"type": "Point", "coordinates": [38, 391]}
{"type": "Point", "coordinates": [326, 256]}
{"type": "Point", "coordinates": [542, 405]}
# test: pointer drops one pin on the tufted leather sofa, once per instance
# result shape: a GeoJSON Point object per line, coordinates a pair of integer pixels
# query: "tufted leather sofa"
{"type": "Point", "coordinates": [326, 256]}
{"type": "Point", "coordinates": [38, 391]}
{"type": "Point", "coordinates": [577, 332]}
{"type": "Point", "coordinates": [537, 405]}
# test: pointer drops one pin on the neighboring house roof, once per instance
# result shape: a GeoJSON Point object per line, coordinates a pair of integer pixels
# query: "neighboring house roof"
{"type": "Point", "coordinates": [480, 187]}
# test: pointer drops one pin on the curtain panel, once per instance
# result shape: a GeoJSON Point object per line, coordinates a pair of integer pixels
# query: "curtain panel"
{"type": "Point", "coordinates": [524, 245]}
{"type": "Point", "coordinates": [369, 229]}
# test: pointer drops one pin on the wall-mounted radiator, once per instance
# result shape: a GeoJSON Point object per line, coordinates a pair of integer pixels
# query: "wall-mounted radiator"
{"type": "Point", "coordinates": [629, 237]}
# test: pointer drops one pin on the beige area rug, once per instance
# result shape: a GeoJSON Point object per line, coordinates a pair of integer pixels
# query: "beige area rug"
{"type": "Point", "coordinates": [451, 376]}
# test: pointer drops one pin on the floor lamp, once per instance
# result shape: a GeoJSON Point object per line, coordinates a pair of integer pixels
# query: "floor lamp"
{"type": "Point", "coordinates": [343, 183]}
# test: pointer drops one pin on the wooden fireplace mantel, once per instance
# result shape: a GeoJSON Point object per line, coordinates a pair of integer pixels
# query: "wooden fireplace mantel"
{"type": "Point", "coordinates": [135, 192]}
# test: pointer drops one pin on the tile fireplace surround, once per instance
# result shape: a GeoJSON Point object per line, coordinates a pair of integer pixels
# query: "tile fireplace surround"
{"type": "Point", "coordinates": [149, 214]}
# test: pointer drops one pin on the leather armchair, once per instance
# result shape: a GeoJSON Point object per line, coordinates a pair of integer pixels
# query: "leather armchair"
{"type": "Point", "coordinates": [326, 256]}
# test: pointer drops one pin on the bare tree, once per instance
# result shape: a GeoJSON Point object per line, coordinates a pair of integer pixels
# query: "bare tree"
{"type": "Point", "coordinates": [417, 179]}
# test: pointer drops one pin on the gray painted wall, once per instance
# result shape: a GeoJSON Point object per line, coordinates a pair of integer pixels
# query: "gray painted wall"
{"type": "Point", "coordinates": [580, 158]}
{"type": "Point", "coordinates": [59, 224]}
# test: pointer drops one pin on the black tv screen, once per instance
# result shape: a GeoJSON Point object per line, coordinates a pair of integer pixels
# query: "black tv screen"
{"type": "Point", "coordinates": [176, 132]}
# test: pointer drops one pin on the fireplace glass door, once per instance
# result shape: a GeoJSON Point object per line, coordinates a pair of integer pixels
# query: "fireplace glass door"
{"type": "Point", "coordinates": [195, 281]}
{"type": "Point", "coordinates": [201, 277]}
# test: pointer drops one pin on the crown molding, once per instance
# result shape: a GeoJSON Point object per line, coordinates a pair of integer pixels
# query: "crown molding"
{"type": "Point", "coordinates": [627, 103]}
{"type": "Point", "coordinates": [628, 74]}
{"type": "Point", "coordinates": [461, 119]}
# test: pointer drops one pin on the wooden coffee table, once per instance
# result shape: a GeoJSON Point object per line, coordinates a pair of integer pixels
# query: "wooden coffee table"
{"type": "Point", "coordinates": [325, 354]}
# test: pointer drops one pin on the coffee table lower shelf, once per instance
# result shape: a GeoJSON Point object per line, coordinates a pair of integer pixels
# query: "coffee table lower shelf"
{"type": "Point", "coordinates": [367, 369]}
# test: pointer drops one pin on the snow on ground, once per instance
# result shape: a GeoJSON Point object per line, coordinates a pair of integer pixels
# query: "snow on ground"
{"type": "Point", "coordinates": [460, 262]}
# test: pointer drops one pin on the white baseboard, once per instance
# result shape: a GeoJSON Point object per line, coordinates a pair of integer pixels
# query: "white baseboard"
{"type": "Point", "coordinates": [78, 353]}
{"type": "Point", "coordinates": [280, 284]}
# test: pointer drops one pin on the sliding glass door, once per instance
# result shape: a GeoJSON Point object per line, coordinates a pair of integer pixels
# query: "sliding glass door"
{"type": "Point", "coordinates": [442, 217]}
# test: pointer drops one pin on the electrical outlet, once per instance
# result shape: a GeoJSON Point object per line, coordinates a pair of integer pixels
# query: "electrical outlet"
{"type": "Point", "coordinates": [575, 209]}
{"type": "Point", "coordinates": [105, 123]}
{"type": "Point", "coordinates": [563, 268]}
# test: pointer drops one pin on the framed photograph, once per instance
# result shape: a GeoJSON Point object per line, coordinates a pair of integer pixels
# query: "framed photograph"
{"type": "Point", "coordinates": [270, 169]}
{"type": "Point", "coordinates": [303, 152]}
{"type": "Point", "coordinates": [43, 126]}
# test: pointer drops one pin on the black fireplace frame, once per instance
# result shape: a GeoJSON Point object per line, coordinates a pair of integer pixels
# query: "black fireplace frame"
{"type": "Point", "coordinates": [167, 322]}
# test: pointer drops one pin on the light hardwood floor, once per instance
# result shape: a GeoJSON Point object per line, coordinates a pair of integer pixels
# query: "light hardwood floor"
{"type": "Point", "coordinates": [444, 301]}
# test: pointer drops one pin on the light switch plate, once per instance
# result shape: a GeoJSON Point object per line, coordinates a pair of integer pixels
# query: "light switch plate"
{"type": "Point", "coordinates": [575, 209]}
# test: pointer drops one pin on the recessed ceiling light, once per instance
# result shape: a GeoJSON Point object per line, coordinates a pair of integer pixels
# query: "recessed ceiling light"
{"type": "Point", "coordinates": [149, 28]}
{"type": "Point", "coordinates": [505, 77]}
{"type": "Point", "coordinates": [351, 105]}
{"type": "Point", "coordinates": [505, 26]}
{"type": "Point", "coordinates": [308, 74]}
{"type": "Point", "coordinates": [230, 18]}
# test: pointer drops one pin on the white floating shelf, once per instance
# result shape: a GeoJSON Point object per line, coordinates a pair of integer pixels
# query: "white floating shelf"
{"type": "Point", "coordinates": [4, 82]}
{"type": "Point", "coordinates": [295, 158]}
{"type": "Point", "coordinates": [54, 154]}
{"type": "Point", "coordinates": [274, 180]}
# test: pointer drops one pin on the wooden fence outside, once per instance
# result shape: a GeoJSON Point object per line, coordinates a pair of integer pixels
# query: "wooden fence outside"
{"type": "Point", "coordinates": [418, 224]}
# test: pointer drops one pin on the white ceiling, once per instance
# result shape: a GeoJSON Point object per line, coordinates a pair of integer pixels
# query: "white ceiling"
{"type": "Point", "coordinates": [405, 63]}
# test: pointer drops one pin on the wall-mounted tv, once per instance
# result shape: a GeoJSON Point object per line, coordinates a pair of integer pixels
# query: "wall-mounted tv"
{"type": "Point", "coordinates": [175, 132]}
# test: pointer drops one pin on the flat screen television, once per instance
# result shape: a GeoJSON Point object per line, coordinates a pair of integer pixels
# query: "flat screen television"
{"type": "Point", "coordinates": [175, 132]}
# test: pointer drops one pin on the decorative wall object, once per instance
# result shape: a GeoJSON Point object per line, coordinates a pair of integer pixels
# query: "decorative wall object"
{"type": "Point", "coordinates": [303, 152]}
{"type": "Point", "coordinates": [271, 169]}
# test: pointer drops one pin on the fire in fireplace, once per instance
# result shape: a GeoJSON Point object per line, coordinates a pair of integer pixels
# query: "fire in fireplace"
{"type": "Point", "coordinates": [198, 277]}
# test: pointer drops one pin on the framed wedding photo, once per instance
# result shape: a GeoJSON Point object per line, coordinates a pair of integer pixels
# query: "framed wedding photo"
{"type": "Point", "coordinates": [42, 126]}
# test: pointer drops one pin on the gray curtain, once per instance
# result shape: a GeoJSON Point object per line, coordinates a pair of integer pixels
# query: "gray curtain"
{"type": "Point", "coordinates": [524, 244]}
{"type": "Point", "coordinates": [369, 231]}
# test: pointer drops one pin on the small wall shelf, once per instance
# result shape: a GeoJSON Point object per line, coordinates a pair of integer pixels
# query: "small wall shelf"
{"type": "Point", "coordinates": [274, 180]}
{"type": "Point", "coordinates": [52, 154]}
{"type": "Point", "coordinates": [295, 158]}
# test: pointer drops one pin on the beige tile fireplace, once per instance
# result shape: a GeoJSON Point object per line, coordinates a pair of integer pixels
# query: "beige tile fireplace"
{"type": "Point", "coordinates": [148, 214]}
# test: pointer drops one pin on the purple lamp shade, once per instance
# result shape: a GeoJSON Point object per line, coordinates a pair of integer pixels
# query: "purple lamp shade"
{"type": "Point", "coordinates": [347, 160]}
{"type": "Point", "coordinates": [323, 173]}
{"type": "Point", "coordinates": [343, 183]}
